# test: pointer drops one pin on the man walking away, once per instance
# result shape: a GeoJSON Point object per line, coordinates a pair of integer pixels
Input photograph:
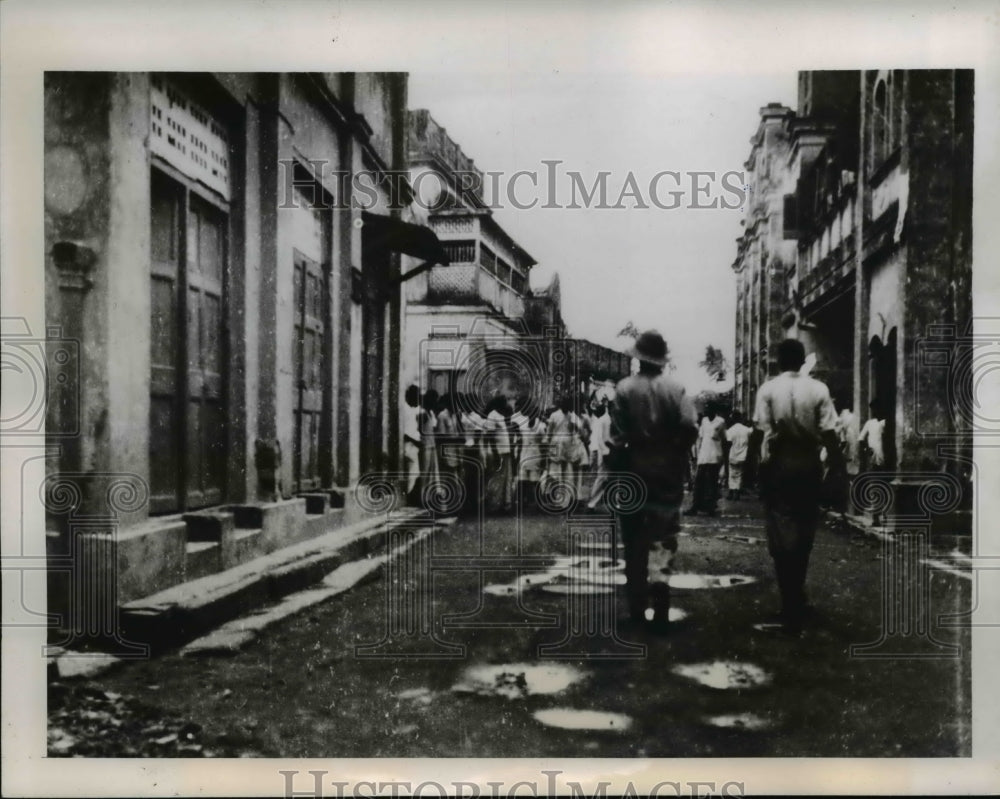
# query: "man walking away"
{"type": "Point", "coordinates": [706, 481]}
{"type": "Point", "coordinates": [738, 436]}
{"type": "Point", "coordinates": [797, 417]}
{"type": "Point", "coordinates": [653, 424]}
{"type": "Point", "coordinates": [600, 435]}
{"type": "Point", "coordinates": [871, 437]}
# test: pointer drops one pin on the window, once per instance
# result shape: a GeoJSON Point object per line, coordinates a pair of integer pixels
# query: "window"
{"type": "Point", "coordinates": [487, 259]}
{"type": "Point", "coordinates": [881, 124]}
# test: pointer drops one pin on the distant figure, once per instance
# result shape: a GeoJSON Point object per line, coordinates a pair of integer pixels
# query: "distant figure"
{"type": "Point", "coordinates": [531, 464]}
{"type": "Point", "coordinates": [738, 436]}
{"type": "Point", "coordinates": [711, 434]}
{"type": "Point", "coordinates": [449, 437]}
{"type": "Point", "coordinates": [499, 471]}
{"type": "Point", "coordinates": [567, 450]}
{"type": "Point", "coordinates": [847, 432]}
{"type": "Point", "coordinates": [797, 417]}
{"type": "Point", "coordinates": [600, 438]}
{"type": "Point", "coordinates": [652, 427]}
{"type": "Point", "coordinates": [872, 438]}
{"type": "Point", "coordinates": [411, 442]}
{"type": "Point", "coordinates": [473, 428]}
{"type": "Point", "coordinates": [427, 425]}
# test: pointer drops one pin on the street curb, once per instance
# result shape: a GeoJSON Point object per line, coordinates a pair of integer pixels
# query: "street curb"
{"type": "Point", "coordinates": [237, 633]}
{"type": "Point", "coordinates": [181, 613]}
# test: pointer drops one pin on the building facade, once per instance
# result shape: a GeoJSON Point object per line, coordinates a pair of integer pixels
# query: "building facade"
{"type": "Point", "coordinates": [763, 257]}
{"type": "Point", "coordinates": [878, 210]}
{"type": "Point", "coordinates": [238, 311]}
{"type": "Point", "coordinates": [465, 324]}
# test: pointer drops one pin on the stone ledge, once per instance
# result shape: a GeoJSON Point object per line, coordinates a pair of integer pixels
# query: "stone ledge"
{"type": "Point", "coordinates": [182, 611]}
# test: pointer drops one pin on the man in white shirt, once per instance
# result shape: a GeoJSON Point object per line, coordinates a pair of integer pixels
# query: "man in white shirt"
{"type": "Point", "coordinates": [709, 448]}
{"type": "Point", "coordinates": [738, 436]}
{"type": "Point", "coordinates": [797, 417]}
{"type": "Point", "coordinates": [600, 437]}
{"type": "Point", "coordinates": [872, 437]}
{"type": "Point", "coordinates": [847, 428]}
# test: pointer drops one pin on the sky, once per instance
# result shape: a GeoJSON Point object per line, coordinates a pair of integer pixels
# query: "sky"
{"type": "Point", "coordinates": [668, 269]}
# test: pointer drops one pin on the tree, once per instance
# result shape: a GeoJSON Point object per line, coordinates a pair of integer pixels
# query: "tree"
{"type": "Point", "coordinates": [715, 364]}
{"type": "Point", "coordinates": [630, 330]}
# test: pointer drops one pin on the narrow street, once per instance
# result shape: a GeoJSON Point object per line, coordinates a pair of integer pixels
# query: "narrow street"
{"type": "Point", "coordinates": [715, 686]}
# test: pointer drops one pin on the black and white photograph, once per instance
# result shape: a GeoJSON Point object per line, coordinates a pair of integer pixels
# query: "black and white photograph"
{"type": "Point", "coordinates": [517, 385]}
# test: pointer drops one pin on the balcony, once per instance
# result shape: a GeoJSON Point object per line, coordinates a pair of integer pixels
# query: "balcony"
{"type": "Point", "coordinates": [460, 252]}
{"type": "Point", "coordinates": [471, 284]}
{"type": "Point", "coordinates": [454, 285]}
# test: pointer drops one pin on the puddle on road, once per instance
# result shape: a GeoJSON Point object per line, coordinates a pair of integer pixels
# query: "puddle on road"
{"type": "Point", "coordinates": [578, 589]}
{"type": "Point", "coordinates": [577, 575]}
{"type": "Point", "coordinates": [567, 718]}
{"type": "Point", "coordinates": [674, 614]}
{"type": "Point", "coordinates": [517, 680]}
{"type": "Point", "coordinates": [742, 539]}
{"type": "Point", "coordinates": [709, 580]}
{"type": "Point", "coordinates": [566, 571]}
{"type": "Point", "coordinates": [422, 696]}
{"type": "Point", "coordinates": [725, 675]}
{"type": "Point", "coordinates": [739, 721]}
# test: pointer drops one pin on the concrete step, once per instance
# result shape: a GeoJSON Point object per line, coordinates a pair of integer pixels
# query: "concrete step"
{"type": "Point", "coordinates": [231, 636]}
{"type": "Point", "coordinates": [181, 612]}
{"type": "Point", "coordinates": [242, 546]}
{"type": "Point", "coordinates": [202, 558]}
{"type": "Point", "coordinates": [316, 502]}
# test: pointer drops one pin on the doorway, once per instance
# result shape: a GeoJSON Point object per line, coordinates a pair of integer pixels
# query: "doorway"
{"type": "Point", "coordinates": [188, 440]}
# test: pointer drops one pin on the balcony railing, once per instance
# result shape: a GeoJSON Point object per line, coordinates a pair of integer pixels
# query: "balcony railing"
{"type": "Point", "coordinates": [471, 284]}
{"type": "Point", "coordinates": [460, 252]}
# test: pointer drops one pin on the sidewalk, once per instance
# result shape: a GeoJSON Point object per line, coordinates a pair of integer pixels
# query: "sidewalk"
{"type": "Point", "coordinates": [337, 561]}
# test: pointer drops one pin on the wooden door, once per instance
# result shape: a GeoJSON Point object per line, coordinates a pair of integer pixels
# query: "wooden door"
{"type": "Point", "coordinates": [165, 345]}
{"type": "Point", "coordinates": [188, 434]}
{"type": "Point", "coordinates": [310, 365]}
{"type": "Point", "coordinates": [206, 356]}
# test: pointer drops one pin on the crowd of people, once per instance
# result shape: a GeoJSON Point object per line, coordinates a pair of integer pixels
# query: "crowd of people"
{"type": "Point", "coordinates": [796, 452]}
{"type": "Point", "coordinates": [502, 450]}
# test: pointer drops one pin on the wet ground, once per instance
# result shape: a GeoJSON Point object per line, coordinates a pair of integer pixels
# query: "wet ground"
{"type": "Point", "coordinates": [542, 674]}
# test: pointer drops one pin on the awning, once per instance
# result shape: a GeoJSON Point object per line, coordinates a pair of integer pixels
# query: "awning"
{"type": "Point", "coordinates": [404, 237]}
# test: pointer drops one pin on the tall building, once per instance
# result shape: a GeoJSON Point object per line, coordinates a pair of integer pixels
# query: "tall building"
{"type": "Point", "coordinates": [879, 212]}
{"type": "Point", "coordinates": [236, 305]}
{"type": "Point", "coordinates": [763, 257]}
{"type": "Point", "coordinates": [465, 322]}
